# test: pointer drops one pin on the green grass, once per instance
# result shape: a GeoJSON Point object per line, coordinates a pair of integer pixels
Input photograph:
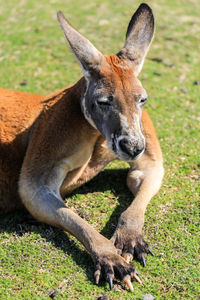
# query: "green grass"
{"type": "Point", "coordinates": [35, 258]}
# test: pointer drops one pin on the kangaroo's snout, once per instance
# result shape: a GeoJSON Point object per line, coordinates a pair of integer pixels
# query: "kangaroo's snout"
{"type": "Point", "coordinates": [129, 148]}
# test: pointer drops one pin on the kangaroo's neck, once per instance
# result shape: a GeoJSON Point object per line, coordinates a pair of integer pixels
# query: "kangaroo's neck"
{"type": "Point", "coordinates": [66, 106]}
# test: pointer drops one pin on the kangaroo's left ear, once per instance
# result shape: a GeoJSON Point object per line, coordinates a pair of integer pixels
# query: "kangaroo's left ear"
{"type": "Point", "coordinates": [138, 37]}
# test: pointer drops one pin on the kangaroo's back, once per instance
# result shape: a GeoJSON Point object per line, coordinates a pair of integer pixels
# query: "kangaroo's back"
{"type": "Point", "coordinates": [18, 110]}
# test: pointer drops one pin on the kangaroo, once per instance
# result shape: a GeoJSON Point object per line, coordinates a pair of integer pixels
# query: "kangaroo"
{"type": "Point", "coordinates": [50, 145]}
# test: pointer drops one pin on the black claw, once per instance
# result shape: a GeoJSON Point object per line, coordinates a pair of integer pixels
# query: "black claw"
{"type": "Point", "coordinates": [143, 261]}
{"type": "Point", "coordinates": [151, 252]}
{"type": "Point", "coordinates": [138, 274]}
{"type": "Point", "coordinates": [110, 281]}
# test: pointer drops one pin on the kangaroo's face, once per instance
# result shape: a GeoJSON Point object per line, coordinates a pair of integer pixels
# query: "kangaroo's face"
{"type": "Point", "coordinates": [113, 104]}
{"type": "Point", "coordinates": [114, 97]}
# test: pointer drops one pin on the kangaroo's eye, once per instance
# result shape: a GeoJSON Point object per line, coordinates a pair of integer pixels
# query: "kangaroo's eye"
{"type": "Point", "coordinates": [107, 101]}
{"type": "Point", "coordinates": [103, 103]}
{"type": "Point", "coordinates": [143, 100]}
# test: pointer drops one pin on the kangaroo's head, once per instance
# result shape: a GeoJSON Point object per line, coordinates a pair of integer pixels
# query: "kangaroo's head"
{"type": "Point", "coordinates": [114, 96]}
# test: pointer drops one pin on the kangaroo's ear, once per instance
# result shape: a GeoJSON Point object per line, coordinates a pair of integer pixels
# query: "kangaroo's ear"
{"type": "Point", "coordinates": [138, 37]}
{"type": "Point", "coordinates": [88, 56]}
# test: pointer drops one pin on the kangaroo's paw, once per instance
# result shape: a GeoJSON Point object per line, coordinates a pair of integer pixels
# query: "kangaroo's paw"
{"type": "Point", "coordinates": [110, 265]}
{"type": "Point", "coordinates": [129, 239]}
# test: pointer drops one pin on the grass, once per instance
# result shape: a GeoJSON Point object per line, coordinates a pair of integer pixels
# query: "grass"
{"type": "Point", "coordinates": [34, 57]}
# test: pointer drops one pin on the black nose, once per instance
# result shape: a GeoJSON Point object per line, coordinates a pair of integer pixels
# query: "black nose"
{"type": "Point", "coordinates": [127, 147]}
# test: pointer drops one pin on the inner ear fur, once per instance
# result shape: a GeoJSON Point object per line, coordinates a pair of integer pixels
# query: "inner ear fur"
{"type": "Point", "coordinates": [88, 56]}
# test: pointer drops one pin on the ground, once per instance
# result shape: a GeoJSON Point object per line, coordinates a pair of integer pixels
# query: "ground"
{"type": "Point", "coordinates": [37, 260]}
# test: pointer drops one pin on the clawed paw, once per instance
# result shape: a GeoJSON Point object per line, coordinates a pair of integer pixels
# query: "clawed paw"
{"type": "Point", "coordinates": [110, 266]}
{"type": "Point", "coordinates": [140, 250]}
{"type": "Point", "coordinates": [132, 245]}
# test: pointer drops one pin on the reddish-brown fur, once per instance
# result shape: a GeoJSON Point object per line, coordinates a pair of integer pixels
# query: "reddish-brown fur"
{"type": "Point", "coordinates": [18, 112]}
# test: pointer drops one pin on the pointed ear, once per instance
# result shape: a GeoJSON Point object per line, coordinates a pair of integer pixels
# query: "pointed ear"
{"type": "Point", "coordinates": [88, 56]}
{"type": "Point", "coordinates": [138, 37]}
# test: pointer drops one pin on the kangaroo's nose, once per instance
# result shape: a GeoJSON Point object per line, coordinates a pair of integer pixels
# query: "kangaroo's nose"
{"type": "Point", "coordinates": [127, 147]}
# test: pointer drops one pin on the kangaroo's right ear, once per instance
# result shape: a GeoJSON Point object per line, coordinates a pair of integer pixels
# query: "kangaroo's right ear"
{"type": "Point", "coordinates": [88, 56]}
{"type": "Point", "coordinates": [138, 37]}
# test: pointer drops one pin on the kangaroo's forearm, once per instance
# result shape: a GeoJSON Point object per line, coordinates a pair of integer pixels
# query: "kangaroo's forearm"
{"type": "Point", "coordinates": [49, 208]}
{"type": "Point", "coordinates": [84, 232]}
{"type": "Point", "coordinates": [144, 184]}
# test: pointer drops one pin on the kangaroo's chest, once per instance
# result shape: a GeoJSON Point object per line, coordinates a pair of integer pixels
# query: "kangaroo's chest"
{"type": "Point", "coordinates": [72, 164]}
{"type": "Point", "coordinates": [95, 163]}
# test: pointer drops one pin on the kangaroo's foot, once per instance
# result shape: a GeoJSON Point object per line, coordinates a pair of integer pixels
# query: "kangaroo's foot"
{"type": "Point", "coordinates": [129, 239]}
{"type": "Point", "coordinates": [110, 265]}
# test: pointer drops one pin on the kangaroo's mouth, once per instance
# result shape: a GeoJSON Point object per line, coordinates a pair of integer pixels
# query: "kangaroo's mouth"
{"type": "Point", "coordinates": [120, 147]}
{"type": "Point", "coordinates": [127, 157]}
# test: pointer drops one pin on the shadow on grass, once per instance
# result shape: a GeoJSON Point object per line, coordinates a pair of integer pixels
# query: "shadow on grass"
{"type": "Point", "coordinates": [114, 180]}
{"type": "Point", "coordinates": [21, 222]}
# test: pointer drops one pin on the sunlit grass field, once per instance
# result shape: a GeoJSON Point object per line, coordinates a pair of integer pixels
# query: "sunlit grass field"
{"type": "Point", "coordinates": [37, 260]}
